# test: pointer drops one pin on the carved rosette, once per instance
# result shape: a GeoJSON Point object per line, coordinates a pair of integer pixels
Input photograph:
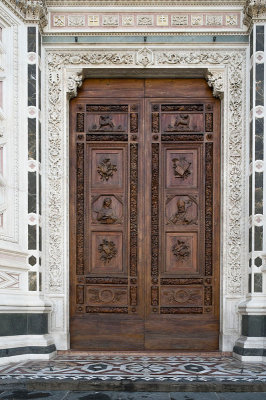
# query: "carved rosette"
{"type": "Point", "coordinates": [233, 60]}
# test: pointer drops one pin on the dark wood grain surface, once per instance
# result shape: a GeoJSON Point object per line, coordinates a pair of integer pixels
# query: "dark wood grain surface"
{"type": "Point", "coordinates": [144, 215]}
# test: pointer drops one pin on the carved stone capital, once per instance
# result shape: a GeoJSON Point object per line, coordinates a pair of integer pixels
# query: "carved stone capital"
{"type": "Point", "coordinates": [254, 10]}
{"type": "Point", "coordinates": [215, 79]}
{"type": "Point", "coordinates": [30, 10]}
{"type": "Point", "coordinates": [74, 81]}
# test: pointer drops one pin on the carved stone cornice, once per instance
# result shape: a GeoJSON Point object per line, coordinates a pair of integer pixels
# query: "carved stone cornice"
{"type": "Point", "coordinates": [143, 3]}
{"type": "Point", "coordinates": [215, 79]}
{"type": "Point", "coordinates": [254, 10]}
{"type": "Point", "coordinates": [29, 10]}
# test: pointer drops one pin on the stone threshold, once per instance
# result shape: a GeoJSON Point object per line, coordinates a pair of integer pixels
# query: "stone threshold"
{"type": "Point", "coordinates": [150, 353]}
{"type": "Point", "coordinates": [129, 386]}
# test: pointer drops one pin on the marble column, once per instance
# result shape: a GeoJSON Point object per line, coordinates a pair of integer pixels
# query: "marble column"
{"type": "Point", "coordinates": [251, 345]}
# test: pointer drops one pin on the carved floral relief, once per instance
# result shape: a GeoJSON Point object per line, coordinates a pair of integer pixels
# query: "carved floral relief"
{"type": "Point", "coordinates": [106, 169]}
{"type": "Point", "coordinates": [107, 250]}
{"type": "Point", "coordinates": [181, 250]}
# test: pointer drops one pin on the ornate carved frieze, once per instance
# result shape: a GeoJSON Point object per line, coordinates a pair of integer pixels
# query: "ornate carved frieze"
{"type": "Point", "coordinates": [90, 137]}
{"type": "Point", "coordinates": [139, 21]}
{"type": "Point", "coordinates": [80, 209]}
{"type": "Point", "coordinates": [133, 209]}
{"type": "Point", "coordinates": [155, 211]}
{"type": "Point", "coordinates": [232, 82]}
{"type": "Point", "coordinates": [182, 138]}
{"type": "Point", "coordinates": [208, 207]}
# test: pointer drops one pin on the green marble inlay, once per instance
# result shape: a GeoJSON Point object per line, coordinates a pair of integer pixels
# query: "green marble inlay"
{"type": "Point", "coordinates": [32, 138]}
{"type": "Point", "coordinates": [250, 239]}
{"type": "Point", "coordinates": [259, 38]}
{"type": "Point", "coordinates": [259, 128]}
{"type": "Point", "coordinates": [251, 43]}
{"type": "Point", "coordinates": [258, 192]}
{"type": "Point", "coordinates": [32, 240]}
{"type": "Point", "coordinates": [258, 237]}
{"type": "Point", "coordinates": [258, 283]}
{"type": "Point", "coordinates": [31, 39]}
{"type": "Point", "coordinates": [178, 38]}
{"type": "Point", "coordinates": [32, 281]}
{"type": "Point", "coordinates": [32, 192]}
{"type": "Point", "coordinates": [32, 85]}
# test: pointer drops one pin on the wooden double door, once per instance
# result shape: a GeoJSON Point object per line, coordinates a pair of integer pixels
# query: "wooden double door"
{"type": "Point", "coordinates": [144, 215]}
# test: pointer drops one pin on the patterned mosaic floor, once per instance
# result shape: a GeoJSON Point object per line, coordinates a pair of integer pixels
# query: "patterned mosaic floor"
{"type": "Point", "coordinates": [135, 368]}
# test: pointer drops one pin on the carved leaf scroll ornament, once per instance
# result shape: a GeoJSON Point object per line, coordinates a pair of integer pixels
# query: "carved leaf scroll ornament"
{"type": "Point", "coordinates": [181, 250]}
{"type": "Point", "coordinates": [183, 296]}
{"type": "Point", "coordinates": [106, 295]}
{"type": "Point", "coordinates": [106, 169]}
{"type": "Point", "coordinates": [107, 250]}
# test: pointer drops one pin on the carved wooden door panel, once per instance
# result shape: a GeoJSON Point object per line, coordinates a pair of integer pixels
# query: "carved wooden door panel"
{"type": "Point", "coordinates": [182, 293]}
{"type": "Point", "coordinates": [144, 216]}
{"type": "Point", "coordinates": [107, 308]}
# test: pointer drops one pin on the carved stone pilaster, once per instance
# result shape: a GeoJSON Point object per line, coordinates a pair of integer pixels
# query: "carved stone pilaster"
{"type": "Point", "coordinates": [215, 79]}
{"type": "Point", "coordinates": [74, 81]}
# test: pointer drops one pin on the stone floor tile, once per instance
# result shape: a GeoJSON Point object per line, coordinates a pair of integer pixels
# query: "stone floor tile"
{"type": "Point", "coordinates": [117, 396]}
{"type": "Point", "coordinates": [242, 396]}
{"type": "Point", "coordinates": [23, 394]}
{"type": "Point", "coordinates": [193, 396]}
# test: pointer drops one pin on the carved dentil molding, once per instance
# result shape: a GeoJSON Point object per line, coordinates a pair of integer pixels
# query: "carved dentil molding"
{"type": "Point", "coordinates": [29, 10]}
{"type": "Point", "coordinates": [215, 80]}
{"type": "Point", "coordinates": [231, 61]}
